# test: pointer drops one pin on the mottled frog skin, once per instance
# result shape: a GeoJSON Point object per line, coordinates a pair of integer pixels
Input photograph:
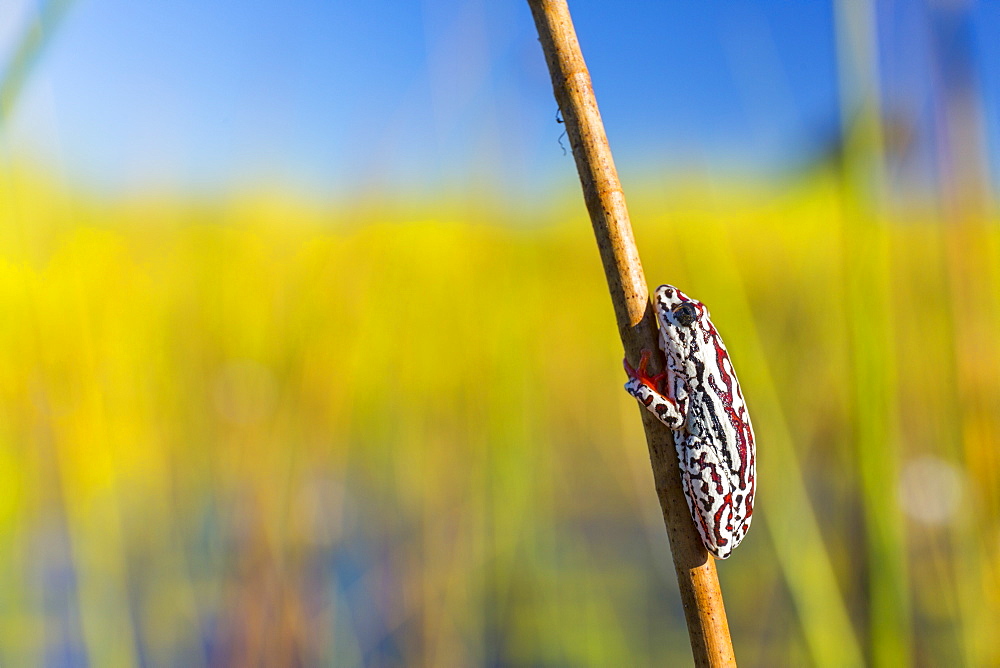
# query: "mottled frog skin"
{"type": "Point", "coordinates": [699, 398]}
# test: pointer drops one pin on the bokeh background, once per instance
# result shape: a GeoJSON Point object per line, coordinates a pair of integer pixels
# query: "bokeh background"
{"type": "Point", "coordinates": [306, 356]}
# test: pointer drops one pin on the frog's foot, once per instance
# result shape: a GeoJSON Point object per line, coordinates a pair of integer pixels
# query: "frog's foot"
{"type": "Point", "coordinates": [640, 374]}
{"type": "Point", "coordinates": [646, 389]}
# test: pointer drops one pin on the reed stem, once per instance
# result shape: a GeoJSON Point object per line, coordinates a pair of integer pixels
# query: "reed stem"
{"type": "Point", "coordinates": [696, 576]}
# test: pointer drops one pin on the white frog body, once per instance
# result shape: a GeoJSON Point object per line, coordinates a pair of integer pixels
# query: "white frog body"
{"type": "Point", "coordinates": [703, 405]}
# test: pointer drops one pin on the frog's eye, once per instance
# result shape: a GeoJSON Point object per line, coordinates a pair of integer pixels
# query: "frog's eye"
{"type": "Point", "coordinates": [685, 313]}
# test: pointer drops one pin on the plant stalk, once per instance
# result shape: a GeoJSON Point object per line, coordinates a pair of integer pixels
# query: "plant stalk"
{"type": "Point", "coordinates": [696, 576]}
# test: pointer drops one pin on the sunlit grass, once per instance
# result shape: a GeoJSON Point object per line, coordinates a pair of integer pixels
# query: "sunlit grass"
{"type": "Point", "coordinates": [258, 429]}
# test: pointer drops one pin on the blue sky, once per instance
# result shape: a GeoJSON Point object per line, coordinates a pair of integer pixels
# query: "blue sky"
{"type": "Point", "coordinates": [338, 97]}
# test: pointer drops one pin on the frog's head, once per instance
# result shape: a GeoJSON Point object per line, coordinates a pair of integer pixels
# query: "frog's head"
{"type": "Point", "coordinates": [683, 324]}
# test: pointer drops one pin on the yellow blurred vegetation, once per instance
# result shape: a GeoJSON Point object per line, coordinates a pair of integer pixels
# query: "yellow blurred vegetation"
{"type": "Point", "coordinates": [256, 430]}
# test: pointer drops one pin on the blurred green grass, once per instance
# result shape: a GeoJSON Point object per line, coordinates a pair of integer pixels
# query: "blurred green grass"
{"type": "Point", "coordinates": [258, 430]}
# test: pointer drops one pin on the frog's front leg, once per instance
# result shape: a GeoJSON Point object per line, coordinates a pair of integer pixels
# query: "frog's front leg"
{"type": "Point", "coordinates": [646, 389]}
